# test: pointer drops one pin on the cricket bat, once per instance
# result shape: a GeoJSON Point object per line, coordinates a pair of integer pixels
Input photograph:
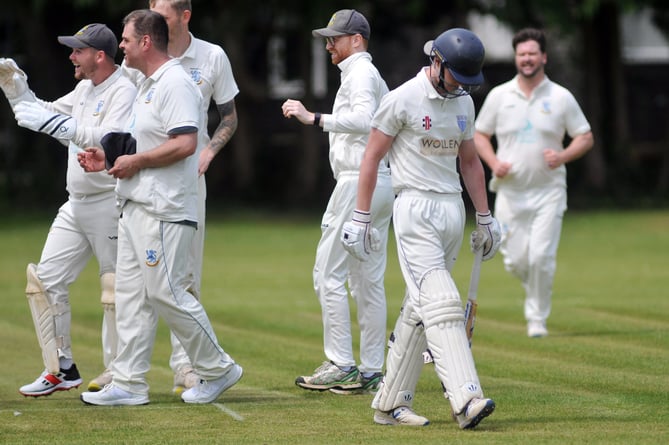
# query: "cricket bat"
{"type": "Point", "coordinates": [470, 308]}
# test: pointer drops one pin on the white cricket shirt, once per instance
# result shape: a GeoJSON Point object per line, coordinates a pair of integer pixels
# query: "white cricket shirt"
{"type": "Point", "coordinates": [209, 67]}
{"type": "Point", "coordinates": [166, 101]}
{"type": "Point", "coordinates": [428, 131]}
{"type": "Point", "coordinates": [524, 127]}
{"type": "Point", "coordinates": [357, 99]}
{"type": "Point", "coordinates": [98, 109]}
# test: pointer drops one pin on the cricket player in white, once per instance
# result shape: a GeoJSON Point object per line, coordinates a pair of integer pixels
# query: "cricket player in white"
{"type": "Point", "coordinates": [529, 116]}
{"type": "Point", "coordinates": [158, 190]}
{"type": "Point", "coordinates": [348, 126]}
{"type": "Point", "coordinates": [426, 125]}
{"type": "Point", "coordinates": [209, 67]}
{"type": "Point", "coordinates": [86, 224]}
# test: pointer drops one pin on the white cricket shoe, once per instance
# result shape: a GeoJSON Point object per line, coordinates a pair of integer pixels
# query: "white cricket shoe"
{"type": "Point", "coordinates": [206, 391]}
{"type": "Point", "coordinates": [475, 411]}
{"type": "Point", "coordinates": [402, 415]}
{"type": "Point", "coordinates": [100, 381]}
{"type": "Point", "coordinates": [112, 395]}
{"type": "Point", "coordinates": [185, 378]}
{"type": "Point", "coordinates": [47, 383]}
{"type": "Point", "coordinates": [536, 329]}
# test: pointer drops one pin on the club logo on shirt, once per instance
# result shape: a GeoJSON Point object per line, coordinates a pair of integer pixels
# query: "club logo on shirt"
{"type": "Point", "coordinates": [462, 122]}
{"type": "Point", "coordinates": [196, 75]}
{"type": "Point", "coordinates": [149, 96]}
{"type": "Point", "coordinates": [527, 135]}
{"type": "Point", "coordinates": [98, 108]}
{"type": "Point", "coordinates": [546, 107]}
{"type": "Point", "coordinates": [151, 258]}
{"type": "Point", "coordinates": [427, 123]}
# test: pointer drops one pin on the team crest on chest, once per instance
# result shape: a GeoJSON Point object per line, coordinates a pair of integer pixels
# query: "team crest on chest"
{"type": "Point", "coordinates": [151, 258]}
{"type": "Point", "coordinates": [98, 108]}
{"type": "Point", "coordinates": [427, 122]}
{"type": "Point", "coordinates": [546, 107]}
{"type": "Point", "coordinates": [462, 122]}
{"type": "Point", "coordinates": [149, 96]}
{"type": "Point", "coordinates": [196, 75]}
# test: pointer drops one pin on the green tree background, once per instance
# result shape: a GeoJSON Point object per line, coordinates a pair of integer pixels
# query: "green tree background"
{"type": "Point", "coordinates": [277, 164]}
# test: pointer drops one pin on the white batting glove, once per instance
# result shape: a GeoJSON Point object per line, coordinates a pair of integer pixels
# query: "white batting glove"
{"type": "Point", "coordinates": [487, 236]}
{"type": "Point", "coordinates": [359, 237]}
{"type": "Point", "coordinates": [14, 82]}
{"type": "Point", "coordinates": [35, 117]}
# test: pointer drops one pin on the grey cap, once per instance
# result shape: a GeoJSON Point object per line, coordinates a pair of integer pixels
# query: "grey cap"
{"type": "Point", "coordinates": [345, 22]}
{"type": "Point", "coordinates": [95, 35]}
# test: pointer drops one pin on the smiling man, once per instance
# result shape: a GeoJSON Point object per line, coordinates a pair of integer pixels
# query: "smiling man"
{"type": "Point", "coordinates": [359, 95]}
{"type": "Point", "coordinates": [530, 115]}
{"type": "Point", "coordinates": [86, 224]}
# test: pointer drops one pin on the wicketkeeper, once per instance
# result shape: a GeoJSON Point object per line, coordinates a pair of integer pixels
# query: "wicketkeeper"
{"type": "Point", "coordinates": [86, 224]}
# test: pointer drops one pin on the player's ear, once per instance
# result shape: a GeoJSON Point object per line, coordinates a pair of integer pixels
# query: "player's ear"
{"type": "Point", "coordinates": [186, 15]}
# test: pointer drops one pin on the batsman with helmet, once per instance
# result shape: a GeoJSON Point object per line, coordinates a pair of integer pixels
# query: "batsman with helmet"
{"type": "Point", "coordinates": [425, 126]}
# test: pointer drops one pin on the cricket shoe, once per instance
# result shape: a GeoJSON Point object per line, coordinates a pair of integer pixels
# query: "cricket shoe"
{"type": "Point", "coordinates": [185, 378]}
{"type": "Point", "coordinates": [328, 376]}
{"type": "Point", "coordinates": [112, 395]}
{"type": "Point", "coordinates": [206, 391]}
{"type": "Point", "coordinates": [48, 383]}
{"type": "Point", "coordinates": [475, 411]}
{"type": "Point", "coordinates": [402, 415]}
{"type": "Point", "coordinates": [536, 329]}
{"type": "Point", "coordinates": [363, 385]}
{"type": "Point", "coordinates": [100, 381]}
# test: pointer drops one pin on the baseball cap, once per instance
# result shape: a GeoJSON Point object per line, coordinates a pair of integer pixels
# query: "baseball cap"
{"type": "Point", "coordinates": [343, 22]}
{"type": "Point", "coordinates": [95, 35]}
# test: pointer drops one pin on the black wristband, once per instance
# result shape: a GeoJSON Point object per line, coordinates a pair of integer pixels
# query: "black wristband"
{"type": "Point", "coordinates": [317, 119]}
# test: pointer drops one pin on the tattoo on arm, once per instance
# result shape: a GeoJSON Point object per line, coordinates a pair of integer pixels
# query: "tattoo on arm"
{"type": "Point", "coordinates": [226, 128]}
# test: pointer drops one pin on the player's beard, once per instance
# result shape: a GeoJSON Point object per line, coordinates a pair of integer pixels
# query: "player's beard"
{"type": "Point", "coordinates": [536, 70]}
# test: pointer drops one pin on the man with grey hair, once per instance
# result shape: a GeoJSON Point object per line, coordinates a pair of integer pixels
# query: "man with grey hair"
{"type": "Point", "coordinates": [347, 37]}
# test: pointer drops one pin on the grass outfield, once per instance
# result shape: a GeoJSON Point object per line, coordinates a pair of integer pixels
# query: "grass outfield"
{"type": "Point", "coordinates": [601, 377]}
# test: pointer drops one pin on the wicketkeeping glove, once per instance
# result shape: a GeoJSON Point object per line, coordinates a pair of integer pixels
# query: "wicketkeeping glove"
{"type": "Point", "coordinates": [487, 235]}
{"type": "Point", "coordinates": [359, 237]}
{"type": "Point", "coordinates": [14, 82]}
{"type": "Point", "coordinates": [37, 118]}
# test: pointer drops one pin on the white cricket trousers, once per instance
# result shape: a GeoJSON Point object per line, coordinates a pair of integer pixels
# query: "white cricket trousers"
{"type": "Point", "coordinates": [152, 278]}
{"type": "Point", "coordinates": [531, 224]}
{"type": "Point", "coordinates": [178, 358]}
{"type": "Point", "coordinates": [334, 267]}
{"type": "Point", "coordinates": [429, 231]}
{"type": "Point", "coordinates": [84, 226]}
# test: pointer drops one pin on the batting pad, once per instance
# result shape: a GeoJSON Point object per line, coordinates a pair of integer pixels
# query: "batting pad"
{"type": "Point", "coordinates": [45, 326]}
{"type": "Point", "coordinates": [443, 318]}
{"type": "Point", "coordinates": [404, 362]}
{"type": "Point", "coordinates": [109, 332]}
